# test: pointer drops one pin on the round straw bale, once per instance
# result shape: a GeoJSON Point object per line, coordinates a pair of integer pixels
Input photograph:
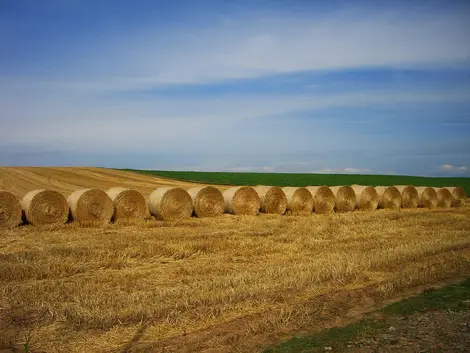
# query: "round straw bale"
{"type": "Point", "coordinates": [208, 201]}
{"type": "Point", "coordinates": [389, 197]}
{"type": "Point", "coordinates": [167, 203]}
{"type": "Point", "coordinates": [427, 197]}
{"type": "Point", "coordinates": [323, 199]}
{"type": "Point", "coordinates": [367, 198]}
{"type": "Point", "coordinates": [128, 204]}
{"type": "Point", "coordinates": [42, 207]}
{"type": "Point", "coordinates": [90, 205]}
{"type": "Point", "coordinates": [345, 198]}
{"type": "Point", "coordinates": [444, 198]}
{"type": "Point", "coordinates": [459, 196]}
{"type": "Point", "coordinates": [299, 200]}
{"type": "Point", "coordinates": [10, 210]}
{"type": "Point", "coordinates": [242, 200]}
{"type": "Point", "coordinates": [409, 196]}
{"type": "Point", "coordinates": [273, 199]}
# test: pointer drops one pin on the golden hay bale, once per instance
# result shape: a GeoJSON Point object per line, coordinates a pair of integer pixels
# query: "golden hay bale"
{"type": "Point", "coordinates": [128, 204]}
{"type": "Point", "coordinates": [41, 207]}
{"type": "Point", "coordinates": [409, 196]}
{"type": "Point", "coordinates": [242, 200]}
{"type": "Point", "coordinates": [367, 198]}
{"type": "Point", "coordinates": [167, 203]}
{"type": "Point", "coordinates": [90, 205]}
{"type": "Point", "coordinates": [323, 199]}
{"type": "Point", "coordinates": [389, 197]}
{"type": "Point", "coordinates": [427, 197]}
{"type": "Point", "coordinates": [208, 201]}
{"type": "Point", "coordinates": [273, 199]}
{"type": "Point", "coordinates": [459, 196]}
{"type": "Point", "coordinates": [299, 200]}
{"type": "Point", "coordinates": [345, 198]}
{"type": "Point", "coordinates": [10, 210]}
{"type": "Point", "coordinates": [444, 198]}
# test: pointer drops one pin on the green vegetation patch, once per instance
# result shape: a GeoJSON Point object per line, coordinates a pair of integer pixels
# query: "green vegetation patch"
{"type": "Point", "coordinates": [282, 179]}
{"type": "Point", "coordinates": [334, 337]}
{"type": "Point", "coordinates": [454, 297]}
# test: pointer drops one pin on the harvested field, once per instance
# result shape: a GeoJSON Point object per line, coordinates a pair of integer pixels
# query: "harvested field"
{"type": "Point", "coordinates": [250, 278]}
{"type": "Point", "coordinates": [236, 283]}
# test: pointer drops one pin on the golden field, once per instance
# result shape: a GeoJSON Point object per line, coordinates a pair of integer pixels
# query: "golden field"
{"type": "Point", "coordinates": [236, 283]}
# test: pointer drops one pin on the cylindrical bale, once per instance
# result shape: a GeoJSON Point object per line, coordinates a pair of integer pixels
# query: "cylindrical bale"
{"type": "Point", "coordinates": [444, 198]}
{"type": "Point", "coordinates": [299, 200]}
{"type": "Point", "coordinates": [323, 199]}
{"type": "Point", "coordinates": [367, 198]}
{"type": "Point", "coordinates": [167, 203]}
{"type": "Point", "coordinates": [10, 210]}
{"type": "Point", "coordinates": [345, 198]}
{"type": "Point", "coordinates": [208, 201]}
{"type": "Point", "coordinates": [273, 199]}
{"type": "Point", "coordinates": [45, 207]}
{"type": "Point", "coordinates": [409, 196]}
{"type": "Point", "coordinates": [427, 197]}
{"type": "Point", "coordinates": [128, 204]}
{"type": "Point", "coordinates": [459, 196]}
{"type": "Point", "coordinates": [389, 197]}
{"type": "Point", "coordinates": [90, 205]}
{"type": "Point", "coordinates": [242, 200]}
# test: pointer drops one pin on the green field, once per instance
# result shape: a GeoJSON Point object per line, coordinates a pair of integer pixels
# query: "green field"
{"type": "Point", "coordinates": [281, 179]}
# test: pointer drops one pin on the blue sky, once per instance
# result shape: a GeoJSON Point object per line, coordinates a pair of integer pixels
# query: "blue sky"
{"type": "Point", "coordinates": [275, 86]}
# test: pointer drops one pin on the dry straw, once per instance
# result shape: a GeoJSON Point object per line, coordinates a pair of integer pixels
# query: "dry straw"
{"type": "Point", "coordinates": [367, 198]}
{"type": "Point", "coordinates": [299, 200]}
{"type": "Point", "coordinates": [10, 210]}
{"type": "Point", "coordinates": [444, 198]}
{"type": "Point", "coordinates": [43, 207]}
{"type": "Point", "coordinates": [389, 197]}
{"type": "Point", "coordinates": [128, 204]}
{"type": "Point", "coordinates": [242, 200]}
{"type": "Point", "coordinates": [91, 205]}
{"type": "Point", "coordinates": [427, 197]}
{"type": "Point", "coordinates": [323, 199]}
{"type": "Point", "coordinates": [345, 198]}
{"type": "Point", "coordinates": [273, 200]}
{"type": "Point", "coordinates": [208, 201]}
{"type": "Point", "coordinates": [168, 203]}
{"type": "Point", "coordinates": [409, 196]}
{"type": "Point", "coordinates": [459, 196]}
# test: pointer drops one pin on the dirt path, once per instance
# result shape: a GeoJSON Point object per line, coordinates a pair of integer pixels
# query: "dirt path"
{"type": "Point", "coordinates": [433, 331]}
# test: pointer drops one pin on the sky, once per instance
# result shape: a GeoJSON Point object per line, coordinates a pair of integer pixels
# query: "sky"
{"type": "Point", "coordinates": [367, 87]}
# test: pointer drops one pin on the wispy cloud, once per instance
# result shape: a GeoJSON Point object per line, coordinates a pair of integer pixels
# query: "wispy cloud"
{"type": "Point", "coordinates": [212, 88]}
{"type": "Point", "coordinates": [454, 169]}
{"type": "Point", "coordinates": [270, 44]}
{"type": "Point", "coordinates": [347, 170]}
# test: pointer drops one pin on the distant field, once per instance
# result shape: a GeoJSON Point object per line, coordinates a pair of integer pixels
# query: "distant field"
{"type": "Point", "coordinates": [280, 179]}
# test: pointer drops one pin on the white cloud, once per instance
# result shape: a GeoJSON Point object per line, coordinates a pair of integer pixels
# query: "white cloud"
{"type": "Point", "coordinates": [453, 169]}
{"type": "Point", "coordinates": [269, 45]}
{"type": "Point", "coordinates": [348, 170]}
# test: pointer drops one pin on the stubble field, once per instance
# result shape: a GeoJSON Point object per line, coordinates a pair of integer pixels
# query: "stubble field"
{"type": "Point", "coordinates": [237, 283]}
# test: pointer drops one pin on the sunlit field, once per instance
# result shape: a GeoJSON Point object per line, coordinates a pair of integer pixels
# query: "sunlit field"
{"type": "Point", "coordinates": [235, 282]}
